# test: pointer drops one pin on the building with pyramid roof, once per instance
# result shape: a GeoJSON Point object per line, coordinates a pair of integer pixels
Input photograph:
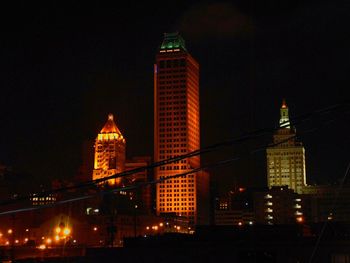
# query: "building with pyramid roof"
{"type": "Point", "coordinates": [109, 152]}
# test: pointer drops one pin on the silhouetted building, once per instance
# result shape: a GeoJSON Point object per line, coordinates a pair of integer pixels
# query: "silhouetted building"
{"type": "Point", "coordinates": [278, 205]}
{"type": "Point", "coordinates": [286, 156]}
{"type": "Point", "coordinates": [328, 202]}
{"type": "Point", "coordinates": [143, 193]}
{"type": "Point", "coordinates": [235, 208]}
{"type": "Point", "coordinates": [86, 167]}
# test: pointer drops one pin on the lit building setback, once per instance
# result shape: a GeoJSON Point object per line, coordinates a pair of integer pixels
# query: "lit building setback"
{"type": "Point", "coordinates": [286, 158]}
{"type": "Point", "coordinates": [109, 152]}
{"type": "Point", "coordinates": [176, 126]}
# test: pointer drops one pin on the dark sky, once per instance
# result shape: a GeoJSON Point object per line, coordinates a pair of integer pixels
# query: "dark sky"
{"type": "Point", "coordinates": [65, 67]}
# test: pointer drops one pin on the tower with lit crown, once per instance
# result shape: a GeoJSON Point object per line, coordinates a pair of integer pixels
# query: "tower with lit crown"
{"type": "Point", "coordinates": [109, 152]}
{"type": "Point", "coordinates": [286, 158]}
{"type": "Point", "coordinates": [176, 127]}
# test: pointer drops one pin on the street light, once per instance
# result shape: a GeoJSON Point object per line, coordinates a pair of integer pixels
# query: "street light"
{"type": "Point", "coordinates": [62, 232]}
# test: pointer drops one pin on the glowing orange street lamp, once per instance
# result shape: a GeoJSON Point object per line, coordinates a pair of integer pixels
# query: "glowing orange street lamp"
{"type": "Point", "coordinates": [300, 219]}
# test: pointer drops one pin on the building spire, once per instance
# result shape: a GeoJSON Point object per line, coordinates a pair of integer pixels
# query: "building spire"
{"type": "Point", "coordinates": [284, 120]}
{"type": "Point", "coordinates": [110, 126]}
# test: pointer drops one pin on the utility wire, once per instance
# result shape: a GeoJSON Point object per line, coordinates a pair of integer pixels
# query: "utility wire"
{"type": "Point", "coordinates": [143, 184]}
{"type": "Point", "coordinates": [249, 135]}
{"type": "Point", "coordinates": [332, 209]}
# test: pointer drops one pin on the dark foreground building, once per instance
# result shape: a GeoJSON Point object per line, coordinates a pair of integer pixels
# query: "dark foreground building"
{"type": "Point", "coordinates": [259, 243]}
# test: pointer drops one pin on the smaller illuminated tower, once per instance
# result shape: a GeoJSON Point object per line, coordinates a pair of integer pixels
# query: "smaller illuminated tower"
{"type": "Point", "coordinates": [286, 159]}
{"type": "Point", "coordinates": [109, 152]}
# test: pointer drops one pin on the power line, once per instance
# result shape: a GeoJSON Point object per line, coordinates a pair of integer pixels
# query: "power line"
{"type": "Point", "coordinates": [250, 135]}
{"type": "Point", "coordinates": [332, 208]}
{"type": "Point", "coordinates": [132, 187]}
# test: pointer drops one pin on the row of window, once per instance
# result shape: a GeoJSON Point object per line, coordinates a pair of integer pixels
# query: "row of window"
{"type": "Point", "coordinates": [177, 181]}
{"type": "Point", "coordinates": [169, 113]}
{"type": "Point", "coordinates": [182, 91]}
{"type": "Point", "coordinates": [285, 153]}
{"type": "Point", "coordinates": [176, 199]}
{"type": "Point", "coordinates": [171, 181]}
{"type": "Point", "coordinates": [166, 76]}
{"type": "Point", "coordinates": [171, 82]}
{"type": "Point", "coordinates": [162, 131]}
{"type": "Point", "coordinates": [182, 195]}
{"type": "Point", "coordinates": [175, 186]}
{"type": "Point", "coordinates": [170, 124]}
{"type": "Point", "coordinates": [172, 102]}
{"type": "Point", "coordinates": [178, 209]}
{"type": "Point", "coordinates": [162, 157]}
{"type": "Point", "coordinates": [173, 168]}
{"type": "Point", "coordinates": [176, 204]}
{"type": "Point", "coordinates": [172, 108]}
{"type": "Point", "coordinates": [173, 63]}
{"type": "Point", "coordinates": [172, 145]}
{"type": "Point", "coordinates": [175, 97]}
{"type": "Point", "coordinates": [173, 119]}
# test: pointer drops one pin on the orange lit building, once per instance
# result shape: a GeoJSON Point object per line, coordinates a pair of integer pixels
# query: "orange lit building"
{"type": "Point", "coordinates": [109, 152]}
{"type": "Point", "coordinates": [176, 126]}
{"type": "Point", "coordinates": [286, 159]}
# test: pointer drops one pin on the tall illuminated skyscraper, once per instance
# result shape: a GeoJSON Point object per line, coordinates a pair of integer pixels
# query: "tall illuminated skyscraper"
{"type": "Point", "coordinates": [286, 159]}
{"type": "Point", "coordinates": [176, 126]}
{"type": "Point", "coordinates": [109, 152]}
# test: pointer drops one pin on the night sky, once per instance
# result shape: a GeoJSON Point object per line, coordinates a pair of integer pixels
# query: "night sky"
{"type": "Point", "coordinates": [65, 67]}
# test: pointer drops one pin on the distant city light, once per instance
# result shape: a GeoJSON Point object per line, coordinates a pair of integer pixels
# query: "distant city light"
{"type": "Point", "coordinates": [66, 231]}
{"type": "Point", "coordinates": [42, 246]}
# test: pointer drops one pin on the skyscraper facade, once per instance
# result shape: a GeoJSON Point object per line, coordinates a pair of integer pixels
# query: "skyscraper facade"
{"type": "Point", "coordinates": [176, 126]}
{"type": "Point", "coordinates": [286, 156]}
{"type": "Point", "coordinates": [109, 152]}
